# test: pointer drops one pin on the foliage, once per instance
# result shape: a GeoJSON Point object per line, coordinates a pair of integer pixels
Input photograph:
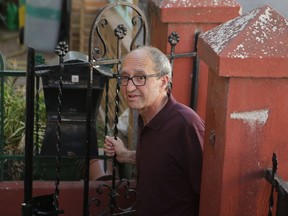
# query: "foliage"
{"type": "Point", "coordinates": [14, 117]}
{"type": "Point", "coordinates": [14, 113]}
{"type": "Point", "coordinates": [14, 125]}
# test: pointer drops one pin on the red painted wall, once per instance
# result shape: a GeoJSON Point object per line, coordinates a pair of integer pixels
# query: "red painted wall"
{"type": "Point", "coordinates": [247, 111]}
{"type": "Point", "coordinates": [187, 17]}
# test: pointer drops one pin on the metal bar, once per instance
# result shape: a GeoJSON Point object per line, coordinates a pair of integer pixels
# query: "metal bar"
{"type": "Point", "coordinates": [61, 50]}
{"type": "Point", "coordinates": [106, 119]}
{"type": "Point", "coordinates": [274, 169]}
{"type": "Point", "coordinates": [277, 182]}
{"type": "Point", "coordinates": [55, 67]}
{"type": "Point", "coordinates": [195, 72]}
{"type": "Point", "coordinates": [182, 55]}
{"type": "Point", "coordinates": [28, 178]}
{"type": "Point", "coordinates": [116, 112]}
{"type": "Point", "coordinates": [107, 62]}
{"type": "Point", "coordinates": [173, 40]}
{"type": "Point", "coordinates": [282, 204]}
{"type": "Point", "coordinates": [278, 185]}
{"type": "Point", "coordinates": [282, 189]}
{"type": "Point", "coordinates": [12, 157]}
{"type": "Point", "coordinates": [97, 58]}
{"type": "Point", "coordinates": [88, 134]}
{"type": "Point", "coordinates": [22, 157]}
{"type": "Point", "coordinates": [4, 73]}
{"type": "Point", "coordinates": [68, 120]}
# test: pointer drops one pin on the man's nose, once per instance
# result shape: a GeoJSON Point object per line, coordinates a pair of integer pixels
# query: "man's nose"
{"type": "Point", "coordinates": [130, 85]}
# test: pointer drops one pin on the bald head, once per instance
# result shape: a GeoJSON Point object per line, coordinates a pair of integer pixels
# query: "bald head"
{"type": "Point", "coordinates": [161, 63]}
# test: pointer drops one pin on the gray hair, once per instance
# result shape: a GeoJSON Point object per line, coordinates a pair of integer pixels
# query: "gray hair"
{"type": "Point", "coordinates": [161, 63]}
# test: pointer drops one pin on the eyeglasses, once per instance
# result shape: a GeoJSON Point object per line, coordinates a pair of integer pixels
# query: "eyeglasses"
{"type": "Point", "coordinates": [136, 80]}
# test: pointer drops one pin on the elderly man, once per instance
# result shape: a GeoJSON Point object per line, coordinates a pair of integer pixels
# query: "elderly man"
{"type": "Point", "coordinates": [170, 138]}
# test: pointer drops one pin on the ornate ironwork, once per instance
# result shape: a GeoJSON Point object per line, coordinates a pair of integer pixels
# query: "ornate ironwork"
{"type": "Point", "coordinates": [61, 50]}
{"type": "Point", "coordinates": [137, 20]}
{"type": "Point", "coordinates": [274, 169]}
{"type": "Point", "coordinates": [44, 204]}
{"type": "Point", "coordinates": [106, 117]}
{"type": "Point", "coordinates": [278, 185]}
{"type": "Point", "coordinates": [98, 52]}
{"type": "Point", "coordinates": [121, 188]}
{"type": "Point", "coordinates": [173, 40]}
{"type": "Point", "coordinates": [27, 207]}
{"type": "Point", "coordinates": [194, 89]}
{"type": "Point", "coordinates": [98, 57]}
{"type": "Point", "coordinates": [120, 32]}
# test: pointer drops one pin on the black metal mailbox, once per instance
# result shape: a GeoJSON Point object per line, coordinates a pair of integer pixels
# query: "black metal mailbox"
{"type": "Point", "coordinates": [73, 106]}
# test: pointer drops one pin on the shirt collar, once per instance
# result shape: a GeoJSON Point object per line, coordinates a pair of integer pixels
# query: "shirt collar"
{"type": "Point", "coordinates": [161, 116]}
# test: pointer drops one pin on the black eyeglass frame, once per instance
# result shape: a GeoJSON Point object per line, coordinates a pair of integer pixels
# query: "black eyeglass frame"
{"type": "Point", "coordinates": [131, 78]}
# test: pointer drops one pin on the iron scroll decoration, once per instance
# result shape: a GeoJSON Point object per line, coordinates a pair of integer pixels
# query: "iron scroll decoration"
{"type": "Point", "coordinates": [98, 59]}
{"type": "Point", "coordinates": [49, 203]}
{"type": "Point", "coordinates": [97, 55]}
{"type": "Point", "coordinates": [43, 204]}
{"type": "Point", "coordinates": [277, 185]}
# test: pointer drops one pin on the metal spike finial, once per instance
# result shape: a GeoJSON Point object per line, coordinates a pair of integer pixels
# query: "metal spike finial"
{"type": "Point", "coordinates": [120, 32]}
{"type": "Point", "coordinates": [173, 38]}
{"type": "Point", "coordinates": [61, 49]}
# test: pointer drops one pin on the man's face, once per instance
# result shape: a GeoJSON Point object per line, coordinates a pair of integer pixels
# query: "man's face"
{"type": "Point", "coordinates": [143, 97]}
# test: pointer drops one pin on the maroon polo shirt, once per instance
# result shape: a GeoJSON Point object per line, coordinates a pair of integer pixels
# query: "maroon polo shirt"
{"type": "Point", "coordinates": [169, 162]}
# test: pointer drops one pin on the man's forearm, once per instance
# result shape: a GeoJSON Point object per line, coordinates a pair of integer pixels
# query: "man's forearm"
{"type": "Point", "coordinates": [128, 156]}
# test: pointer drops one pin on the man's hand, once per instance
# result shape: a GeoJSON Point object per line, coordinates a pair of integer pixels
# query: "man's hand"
{"type": "Point", "coordinates": [116, 146]}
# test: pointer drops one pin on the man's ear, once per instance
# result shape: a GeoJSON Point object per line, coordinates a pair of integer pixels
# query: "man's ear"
{"type": "Point", "coordinates": [165, 81]}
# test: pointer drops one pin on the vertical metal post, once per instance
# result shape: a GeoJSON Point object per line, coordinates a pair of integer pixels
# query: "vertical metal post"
{"type": "Point", "coordinates": [61, 50]}
{"type": "Point", "coordinates": [29, 142]}
{"type": "Point", "coordinates": [106, 119]}
{"type": "Point", "coordinates": [173, 40]}
{"type": "Point", "coordinates": [274, 169]}
{"type": "Point", "coordinates": [194, 89]}
{"type": "Point", "coordinates": [279, 186]}
{"type": "Point", "coordinates": [97, 56]}
{"type": "Point", "coordinates": [88, 134]}
{"type": "Point", "coordinates": [282, 204]}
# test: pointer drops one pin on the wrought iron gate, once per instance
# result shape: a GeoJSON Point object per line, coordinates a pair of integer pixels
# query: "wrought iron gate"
{"type": "Point", "coordinates": [99, 58]}
{"type": "Point", "coordinates": [278, 185]}
{"type": "Point", "coordinates": [123, 38]}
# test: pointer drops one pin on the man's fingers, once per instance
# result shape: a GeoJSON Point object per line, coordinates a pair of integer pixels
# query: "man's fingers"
{"type": "Point", "coordinates": [109, 150]}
